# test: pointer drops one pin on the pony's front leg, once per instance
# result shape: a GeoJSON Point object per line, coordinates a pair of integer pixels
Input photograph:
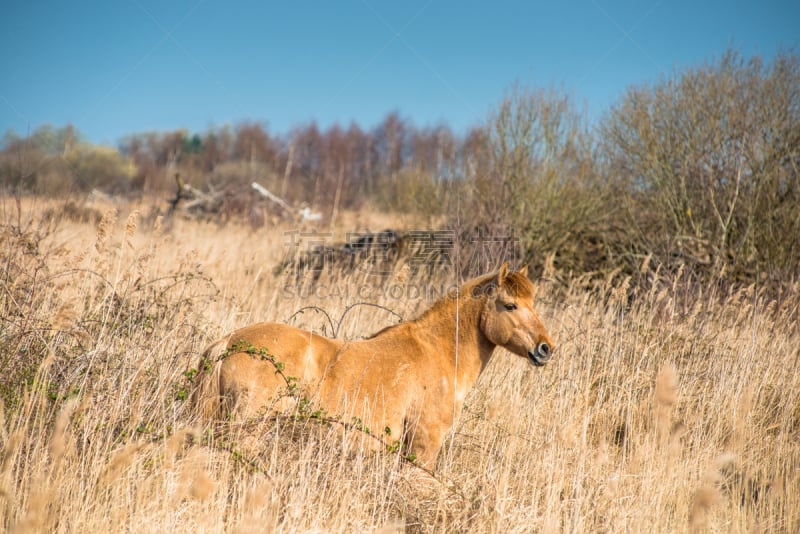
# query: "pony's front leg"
{"type": "Point", "coordinates": [424, 443]}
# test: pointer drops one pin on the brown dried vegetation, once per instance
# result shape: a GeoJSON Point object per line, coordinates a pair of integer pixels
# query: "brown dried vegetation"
{"type": "Point", "coordinates": [660, 412]}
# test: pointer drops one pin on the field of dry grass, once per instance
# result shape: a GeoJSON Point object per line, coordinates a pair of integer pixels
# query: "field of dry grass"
{"type": "Point", "coordinates": [675, 409]}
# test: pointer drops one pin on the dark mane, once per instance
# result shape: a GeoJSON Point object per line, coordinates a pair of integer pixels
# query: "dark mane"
{"type": "Point", "coordinates": [515, 283]}
{"type": "Point", "coordinates": [474, 288]}
{"type": "Point", "coordinates": [384, 329]}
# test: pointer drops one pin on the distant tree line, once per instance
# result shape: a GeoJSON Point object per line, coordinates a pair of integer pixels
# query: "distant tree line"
{"type": "Point", "coordinates": [307, 165]}
{"type": "Point", "coordinates": [696, 171]}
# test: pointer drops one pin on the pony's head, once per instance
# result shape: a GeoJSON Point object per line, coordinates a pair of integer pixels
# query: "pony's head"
{"type": "Point", "coordinates": [509, 320]}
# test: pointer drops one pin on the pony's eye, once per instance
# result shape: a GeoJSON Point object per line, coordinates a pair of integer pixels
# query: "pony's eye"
{"type": "Point", "coordinates": [510, 306]}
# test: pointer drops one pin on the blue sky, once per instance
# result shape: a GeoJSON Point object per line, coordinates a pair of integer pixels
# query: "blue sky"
{"type": "Point", "coordinates": [114, 68]}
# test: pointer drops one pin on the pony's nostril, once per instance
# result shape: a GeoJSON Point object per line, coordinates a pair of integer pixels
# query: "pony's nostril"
{"type": "Point", "coordinates": [543, 349]}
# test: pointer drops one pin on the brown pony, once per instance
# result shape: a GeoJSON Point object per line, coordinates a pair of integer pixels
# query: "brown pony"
{"type": "Point", "coordinates": [407, 381]}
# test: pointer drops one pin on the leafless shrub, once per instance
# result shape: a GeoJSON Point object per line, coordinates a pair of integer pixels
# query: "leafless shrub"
{"type": "Point", "coordinates": [706, 165]}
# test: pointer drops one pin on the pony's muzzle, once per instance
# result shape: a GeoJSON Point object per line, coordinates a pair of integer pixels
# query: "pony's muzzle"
{"type": "Point", "coordinates": [542, 354]}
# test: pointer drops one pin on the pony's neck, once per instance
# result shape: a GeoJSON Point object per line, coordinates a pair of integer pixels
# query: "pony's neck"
{"type": "Point", "coordinates": [467, 347]}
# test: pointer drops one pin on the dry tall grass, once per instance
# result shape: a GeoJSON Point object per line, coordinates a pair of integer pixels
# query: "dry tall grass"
{"type": "Point", "coordinates": [671, 411]}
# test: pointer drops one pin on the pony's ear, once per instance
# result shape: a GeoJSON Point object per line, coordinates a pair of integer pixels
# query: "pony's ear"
{"type": "Point", "coordinates": [524, 269]}
{"type": "Point", "coordinates": [501, 278]}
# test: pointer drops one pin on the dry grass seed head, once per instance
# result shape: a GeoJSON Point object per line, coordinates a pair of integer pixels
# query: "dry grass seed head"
{"type": "Point", "coordinates": [740, 417]}
{"type": "Point", "coordinates": [119, 463]}
{"type": "Point", "coordinates": [666, 391]}
{"type": "Point", "coordinates": [200, 484]}
{"type": "Point", "coordinates": [36, 515]}
{"type": "Point", "coordinates": [174, 445]}
{"type": "Point", "coordinates": [58, 444]}
{"type": "Point", "coordinates": [645, 266]}
{"type": "Point", "coordinates": [662, 295]}
{"type": "Point", "coordinates": [130, 224]}
{"type": "Point", "coordinates": [708, 494]}
{"type": "Point", "coordinates": [549, 270]}
{"type": "Point", "coordinates": [104, 228]}
{"type": "Point", "coordinates": [620, 293]}
{"type": "Point", "coordinates": [665, 396]}
{"type": "Point", "coordinates": [86, 402]}
{"type": "Point", "coordinates": [196, 483]}
{"type": "Point", "coordinates": [703, 500]}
